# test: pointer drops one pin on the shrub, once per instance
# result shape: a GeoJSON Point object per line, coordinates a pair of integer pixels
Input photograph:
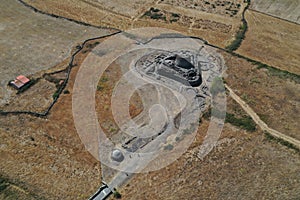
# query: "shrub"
{"type": "Point", "coordinates": [3, 187]}
{"type": "Point", "coordinates": [104, 79]}
{"type": "Point", "coordinates": [281, 141]}
{"type": "Point", "coordinates": [239, 37]}
{"type": "Point", "coordinates": [154, 10]}
{"type": "Point", "coordinates": [147, 13]}
{"type": "Point", "coordinates": [244, 122]}
{"type": "Point", "coordinates": [55, 95]}
{"type": "Point", "coordinates": [156, 16]}
{"type": "Point", "coordinates": [66, 92]}
{"type": "Point", "coordinates": [117, 195]}
{"type": "Point", "coordinates": [153, 14]}
{"type": "Point", "coordinates": [3, 184]}
{"type": "Point", "coordinates": [173, 20]}
{"type": "Point", "coordinates": [175, 15]}
{"type": "Point", "coordinates": [278, 72]}
{"type": "Point", "coordinates": [99, 87]}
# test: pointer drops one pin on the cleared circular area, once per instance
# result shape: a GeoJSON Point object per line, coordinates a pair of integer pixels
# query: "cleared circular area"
{"type": "Point", "coordinates": [172, 64]}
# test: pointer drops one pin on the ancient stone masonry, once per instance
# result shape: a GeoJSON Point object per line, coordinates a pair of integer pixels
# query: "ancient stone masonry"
{"type": "Point", "coordinates": [177, 66]}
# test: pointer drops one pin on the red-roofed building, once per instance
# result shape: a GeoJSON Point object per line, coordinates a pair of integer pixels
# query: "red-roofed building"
{"type": "Point", "coordinates": [20, 82]}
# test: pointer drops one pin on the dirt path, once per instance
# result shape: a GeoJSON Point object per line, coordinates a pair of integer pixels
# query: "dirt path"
{"type": "Point", "coordinates": [259, 122]}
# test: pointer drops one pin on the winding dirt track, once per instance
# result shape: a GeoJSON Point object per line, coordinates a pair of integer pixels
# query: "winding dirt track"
{"type": "Point", "coordinates": [259, 122]}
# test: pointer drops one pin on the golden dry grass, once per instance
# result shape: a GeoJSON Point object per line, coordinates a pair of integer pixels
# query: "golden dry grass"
{"type": "Point", "coordinates": [272, 41]}
{"type": "Point", "coordinates": [123, 18]}
{"type": "Point", "coordinates": [275, 99]}
{"type": "Point", "coordinates": [241, 166]}
{"type": "Point", "coordinates": [50, 158]}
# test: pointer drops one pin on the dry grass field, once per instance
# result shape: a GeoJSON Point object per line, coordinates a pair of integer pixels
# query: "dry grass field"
{"type": "Point", "coordinates": [272, 41]}
{"type": "Point", "coordinates": [32, 42]}
{"type": "Point", "coordinates": [85, 11]}
{"type": "Point", "coordinates": [222, 18]}
{"type": "Point", "coordinates": [225, 7]}
{"type": "Point", "coordinates": [246, 166]}
{"type": "Point", "coordinates": [103, 99]}
{"type": "Point", "coordinates": [37, 99]}
{"type": "Point", "coordinates": [192, 22]}
{"type": "Point", "coordinates": [242, 166]}
{"type": "Point", "coordinates": [44, 158]}
{"type": "Point", "coordinates": [285, 9]}
{"type": "Point", "coordinates": [127, 8]}
{"type": "Point", "coordinates": [46, 155]}
{"type": "Point", "coordinates": [274, 97]}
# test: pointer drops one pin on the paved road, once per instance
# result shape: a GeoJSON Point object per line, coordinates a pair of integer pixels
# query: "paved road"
{"type": "Point", "coordinates": [259, 122]}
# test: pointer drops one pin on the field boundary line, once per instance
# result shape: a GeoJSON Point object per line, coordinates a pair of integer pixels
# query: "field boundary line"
{"type": "Point", "coordinates": [63, 86]}
{"type": "Point", "coordinates": [80, 47]}
{"type": "Point", "coordinates": [276, 17]}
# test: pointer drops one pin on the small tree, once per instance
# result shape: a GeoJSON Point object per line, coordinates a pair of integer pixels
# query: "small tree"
{"type": "Point", "coordinates": [117, 195]}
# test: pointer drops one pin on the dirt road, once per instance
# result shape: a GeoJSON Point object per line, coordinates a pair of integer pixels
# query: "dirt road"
{"type": "Point", "coordinates": [259, 122]}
